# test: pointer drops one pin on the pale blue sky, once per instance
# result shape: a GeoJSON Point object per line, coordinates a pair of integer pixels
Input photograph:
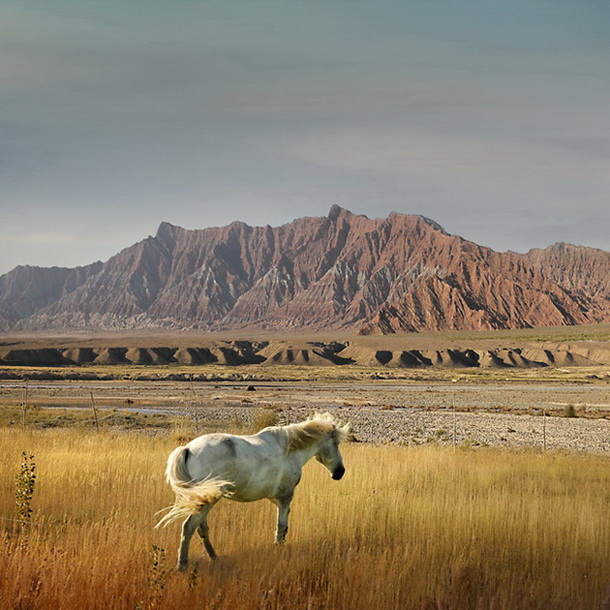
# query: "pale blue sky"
{"type": "Point", "coordinates": [492, 118]}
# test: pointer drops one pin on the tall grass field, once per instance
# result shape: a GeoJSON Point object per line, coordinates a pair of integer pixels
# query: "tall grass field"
{"type": "Point", "coordinates": [421, 527]}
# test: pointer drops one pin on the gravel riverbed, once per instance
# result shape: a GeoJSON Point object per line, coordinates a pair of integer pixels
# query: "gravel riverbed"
{"type": "Point", "coordinates": [418, 427]}
{"type": "Point", "coordinates": [497, 414]}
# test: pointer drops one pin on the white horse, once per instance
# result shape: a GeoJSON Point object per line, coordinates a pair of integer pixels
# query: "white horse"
{"type": "Point", "coordinates": [245, 469]}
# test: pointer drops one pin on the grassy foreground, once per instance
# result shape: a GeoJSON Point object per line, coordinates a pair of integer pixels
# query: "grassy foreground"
{"type": "Point", "coordinates": [419, 527]}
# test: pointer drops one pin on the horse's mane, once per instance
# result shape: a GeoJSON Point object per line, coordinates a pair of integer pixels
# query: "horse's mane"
{"type": "Point", "coordinates": [306, 433]}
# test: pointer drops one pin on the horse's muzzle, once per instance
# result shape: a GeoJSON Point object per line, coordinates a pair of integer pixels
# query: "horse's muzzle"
{"type": "Point", "coordinates": [338, 472]}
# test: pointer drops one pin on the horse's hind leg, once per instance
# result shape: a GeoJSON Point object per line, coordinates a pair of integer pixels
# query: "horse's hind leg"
{"type": "Point", "coordinates": [204, 532]}
{"type": "Point", "coordinates": [188, 529]}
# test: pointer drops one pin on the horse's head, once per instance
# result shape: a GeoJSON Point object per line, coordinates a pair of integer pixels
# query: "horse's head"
{"type": "Point", "coordinates": [328, 453]}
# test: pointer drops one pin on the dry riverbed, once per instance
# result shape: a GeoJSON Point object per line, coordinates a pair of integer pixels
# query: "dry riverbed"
{"type": "Point", "coordinates": [572, 417]}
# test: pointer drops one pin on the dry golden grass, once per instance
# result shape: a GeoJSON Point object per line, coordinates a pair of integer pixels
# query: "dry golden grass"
{"type": "Point", "coordinates": [421, 527]}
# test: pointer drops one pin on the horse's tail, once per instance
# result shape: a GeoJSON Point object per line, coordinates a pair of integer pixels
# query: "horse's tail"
{"type": "Point", "coordinates": [190, 497]}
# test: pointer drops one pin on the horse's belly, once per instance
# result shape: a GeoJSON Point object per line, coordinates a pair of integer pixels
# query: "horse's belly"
{"type": "Point", "coordinates": [251, 493]}
{"type": "Point", "coordinates": [241, 497]}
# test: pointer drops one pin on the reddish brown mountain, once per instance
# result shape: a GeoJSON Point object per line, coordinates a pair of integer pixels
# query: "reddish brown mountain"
{"type": "Point", "coordinates": [402, 273]}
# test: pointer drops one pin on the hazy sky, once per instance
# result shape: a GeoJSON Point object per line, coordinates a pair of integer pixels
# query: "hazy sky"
{"type": "Point", "coordinates": [491, 117]}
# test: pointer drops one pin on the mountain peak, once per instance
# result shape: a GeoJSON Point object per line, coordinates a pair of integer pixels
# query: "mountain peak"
{"type": "Point", "coordinates": [336, 211]}
{"type": "Point", "coordinates": [166, 228]}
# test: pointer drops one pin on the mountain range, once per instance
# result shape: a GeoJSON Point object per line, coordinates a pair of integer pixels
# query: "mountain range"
{"type": "Point", "coordinates": [344, 271]}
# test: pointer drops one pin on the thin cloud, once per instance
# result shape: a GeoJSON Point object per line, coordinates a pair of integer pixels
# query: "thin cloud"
{"type": "Point", "coordinates": [491, 118]}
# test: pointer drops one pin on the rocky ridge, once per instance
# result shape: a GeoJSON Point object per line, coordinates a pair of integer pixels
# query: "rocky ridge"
{"type": "Point", "coordinates": [345, 271]}
{"type": "Point", "coordinates": [314, 353]}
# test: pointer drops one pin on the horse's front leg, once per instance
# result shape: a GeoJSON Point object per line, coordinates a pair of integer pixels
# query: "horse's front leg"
{"type": "Point", "coordinates": [283, 510]}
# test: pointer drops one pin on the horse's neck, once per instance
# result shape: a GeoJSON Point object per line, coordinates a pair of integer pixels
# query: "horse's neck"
{"type": "Point", "coordinates": [304, 455]}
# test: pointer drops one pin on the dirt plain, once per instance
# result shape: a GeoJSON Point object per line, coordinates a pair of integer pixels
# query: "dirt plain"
{"type": "Point", "coordinates": [546, 407]}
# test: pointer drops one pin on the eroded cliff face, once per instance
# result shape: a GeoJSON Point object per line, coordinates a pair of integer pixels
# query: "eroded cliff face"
{"type": "Point", "coordinates": [361, 351]}
{"type": "Point", "coordinates": [344, 271]}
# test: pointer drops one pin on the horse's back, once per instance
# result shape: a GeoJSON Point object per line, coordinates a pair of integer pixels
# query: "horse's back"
{"type": "Point", "coordinates": [253, 465]}
{"type": "Point", "coordinates": [211, 449]}
{"type": "Point", "coordinates": [217, 453]}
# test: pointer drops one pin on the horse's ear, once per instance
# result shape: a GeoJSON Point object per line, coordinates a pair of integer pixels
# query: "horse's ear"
{"type": "Point", "coordinates": [343, 432]}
